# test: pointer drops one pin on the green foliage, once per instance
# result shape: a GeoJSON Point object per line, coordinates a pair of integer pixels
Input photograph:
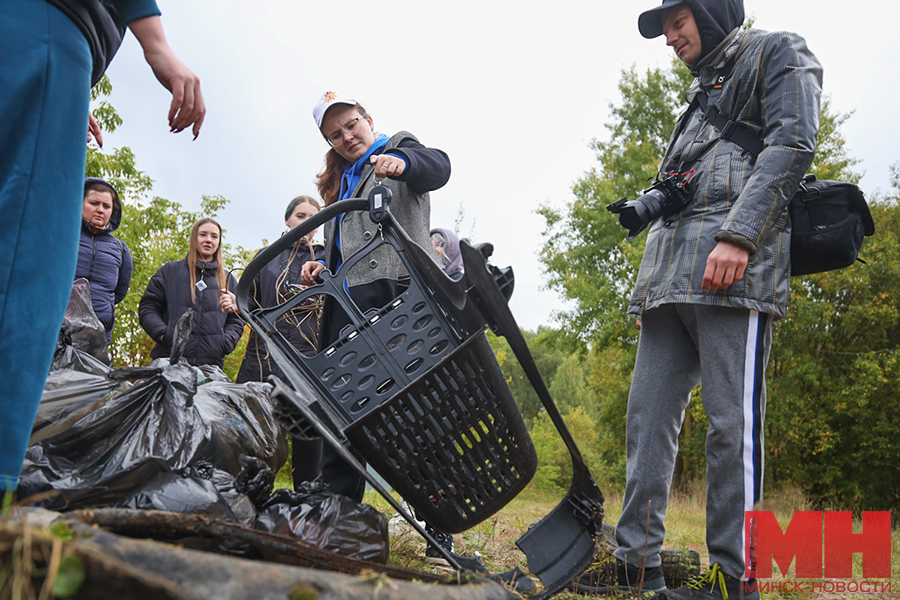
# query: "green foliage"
{"type": "Point", "coordinates": [832, 162]}
{"type": "Point", "coordinates": [6, 502]}
{"type": "Point", "coordinates": [585, 255]}
{"type": "Point", "coordinates": [609, 377]}
{"type": "Point", "coordinates": [156, 231]}
{"type": "Point", "coordinates": [570, 387]}
{"type": "Point", "coordinates": [590, 263]}
{"type": "Point", "coordinates": [63, 531]}
{"type": "Point", "coordinates": [546, 356]}
{"type": "Point", "coordinates": [118, 164]}
{"type": "Point", "coordinates": [554, 472]}
{"type": "Point", "coordinates": [69, 578]}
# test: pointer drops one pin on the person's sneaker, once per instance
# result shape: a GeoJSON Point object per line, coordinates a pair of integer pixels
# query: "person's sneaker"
{"type": "Point", "coordinates": [613, 576]}
{"type": "Point", "coordinates": [714, 585]}
{"type": "Point", "coordinates": [432, 554]}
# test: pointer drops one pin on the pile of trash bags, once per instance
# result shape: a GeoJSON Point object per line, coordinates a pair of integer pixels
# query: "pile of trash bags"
{"type": "Point", "coordinates": [178, 438]}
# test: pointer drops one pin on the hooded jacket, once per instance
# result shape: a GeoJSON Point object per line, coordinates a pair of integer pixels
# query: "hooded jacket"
{"type": "Point", "coordinates": [214, 334]}
{"type": "Point", "coordinates": [105, 261]}
{"type": "Point", "coordinates": [715, 20]}
{"type": "Point", "coordinates": [453, 262]}
{"type": "Point", "coordinates": [772, 89]}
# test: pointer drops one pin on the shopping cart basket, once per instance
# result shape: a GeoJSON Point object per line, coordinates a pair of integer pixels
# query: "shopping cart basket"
{"type": "Point", "coordinates": [415, 388]}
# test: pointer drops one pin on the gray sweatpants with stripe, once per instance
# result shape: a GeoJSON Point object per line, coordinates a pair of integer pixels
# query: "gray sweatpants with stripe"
{"type": "Point", "coordinates": [680, 346]}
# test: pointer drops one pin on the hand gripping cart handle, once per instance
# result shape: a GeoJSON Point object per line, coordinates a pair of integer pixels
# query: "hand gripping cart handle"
{"type": "Point", "coordinates": [415, 388]}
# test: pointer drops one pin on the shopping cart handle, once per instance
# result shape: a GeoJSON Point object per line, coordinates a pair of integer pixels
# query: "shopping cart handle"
{"type": "Point", "coordinates": [290, 238]}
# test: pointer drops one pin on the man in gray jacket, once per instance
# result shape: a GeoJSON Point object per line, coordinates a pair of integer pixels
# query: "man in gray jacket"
{"type": "Point", "coordinates": [714, 275]}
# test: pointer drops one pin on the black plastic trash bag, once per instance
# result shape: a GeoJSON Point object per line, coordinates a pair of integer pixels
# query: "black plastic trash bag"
{"type": "Point", "coordinates": [192, 490]}
{"type": "Point", "coordinates": [82, 336]}
{"type": "Point", "coordinates": [152, 428]}
{"type": "Point", "coordinates": [330, 521]}
{"type": "Point", "coordinates": [256, 480]}
{"type": "Point", "coordinates": [314, 515]}
{"type": "Point", "coordinates": [67, 357]}
{"type": "Point", "coordinates": [69, 396]}
{"type": "Point", "coordinates": [77, 378]}
{"type": "Point", "coordinates": [242, 422]}
{"type": "Point", "coordinates": [159, 425]}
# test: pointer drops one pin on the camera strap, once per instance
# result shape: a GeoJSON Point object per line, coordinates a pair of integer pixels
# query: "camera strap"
{"type": "Point", "coordinates": [727, 128]}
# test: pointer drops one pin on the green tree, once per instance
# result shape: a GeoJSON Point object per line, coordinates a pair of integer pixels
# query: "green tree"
{"type": "Point", "coordinates": [585, 255]}
{"type": "Point", "coordinates": [832, 160]}
{"type": "Point", "coordinates": [554, 472]}
{"type": "Point", "coordinates": [155, 229]}
{"type": "Point", "coordinates": [590, 263]}
{"type": "Point", "coordinates": [546, 356]}
{"type": "Point", "coordinates": [117, 165]}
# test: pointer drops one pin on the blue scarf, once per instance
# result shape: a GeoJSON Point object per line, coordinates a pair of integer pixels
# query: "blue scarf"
{"type": "Point", "coordinates": [349, 181]}
{"type": "Point", "coordinates": [351, 175]}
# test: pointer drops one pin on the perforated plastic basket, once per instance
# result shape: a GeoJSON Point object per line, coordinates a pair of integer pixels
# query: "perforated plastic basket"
{"type": "Point", "coordinates": [414, 387]}
{"type": "Point", "coordinates": [452, 443]}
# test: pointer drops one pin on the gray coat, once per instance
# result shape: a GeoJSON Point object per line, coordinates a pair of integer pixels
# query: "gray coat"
{"type": "Point", "coordinates": [410, 206]}
{"type": "Point", "coordinates": [773, 91]}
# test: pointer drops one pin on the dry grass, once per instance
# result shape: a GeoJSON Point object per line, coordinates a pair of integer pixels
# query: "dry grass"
{"type": "Point", "coordinates": [33, 562]}
{"type": "Point", "coordinates": [494, 540]}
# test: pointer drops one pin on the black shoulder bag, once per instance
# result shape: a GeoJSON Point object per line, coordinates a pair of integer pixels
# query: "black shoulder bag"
{"type": "Point", "coordinates": [829, 219]}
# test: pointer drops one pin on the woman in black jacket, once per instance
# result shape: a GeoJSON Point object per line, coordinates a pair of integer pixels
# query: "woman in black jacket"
{"type": "Point", "coordinates": [358, 159]}
{"type": "Point", "coordinates": [277, 281]}
{"type": "Point", "coordinates": [194, 282]}
{"type": "Point", "coordinates": [103, 259]}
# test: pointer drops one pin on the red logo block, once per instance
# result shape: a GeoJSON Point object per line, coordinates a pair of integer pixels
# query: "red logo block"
{"type": "Point", "coordinates": [821, 543]}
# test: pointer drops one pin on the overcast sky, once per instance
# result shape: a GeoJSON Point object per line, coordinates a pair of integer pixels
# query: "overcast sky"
{"type": "Point", "coordinates": [512, 91]}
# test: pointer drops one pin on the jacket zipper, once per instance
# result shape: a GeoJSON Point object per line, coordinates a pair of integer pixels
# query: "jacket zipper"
{"type": "Point", "coordinates": [93, 256]}
{"type": "Point", "coordinates": [195, 333]}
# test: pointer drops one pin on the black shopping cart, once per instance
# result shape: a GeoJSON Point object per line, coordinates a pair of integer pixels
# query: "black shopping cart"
{"type": "Point", "coordinates": [415, 388]}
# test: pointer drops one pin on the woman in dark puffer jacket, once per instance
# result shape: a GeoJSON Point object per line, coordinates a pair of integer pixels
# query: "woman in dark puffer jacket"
{"type": "Point", "coordinates": [104, 260]}
{"type": "Point", "coordinates": [194, 282]}
{"type": "Point", "coordinates": [278, 280]}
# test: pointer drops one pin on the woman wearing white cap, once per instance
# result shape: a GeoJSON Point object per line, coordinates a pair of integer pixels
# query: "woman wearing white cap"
{"type": "Point", "coordinates": [357, 157]}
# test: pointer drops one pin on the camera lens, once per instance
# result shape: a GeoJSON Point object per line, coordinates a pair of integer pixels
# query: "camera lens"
{"type": "Point", "coordinates": [640, 212]}
{"type": "Point", "coordinates": [665, 197]}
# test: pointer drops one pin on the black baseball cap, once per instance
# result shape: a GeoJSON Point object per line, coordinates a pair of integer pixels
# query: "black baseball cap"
{"type": "Point", "coordinates": [650, 22]}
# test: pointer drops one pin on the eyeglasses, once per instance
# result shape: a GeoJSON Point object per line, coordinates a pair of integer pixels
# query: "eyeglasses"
{"type": "Point", "coordinates": [352, 126]}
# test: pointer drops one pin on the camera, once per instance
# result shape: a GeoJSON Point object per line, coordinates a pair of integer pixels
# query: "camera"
{"type": "Point", "coordinates": [664, 198]}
